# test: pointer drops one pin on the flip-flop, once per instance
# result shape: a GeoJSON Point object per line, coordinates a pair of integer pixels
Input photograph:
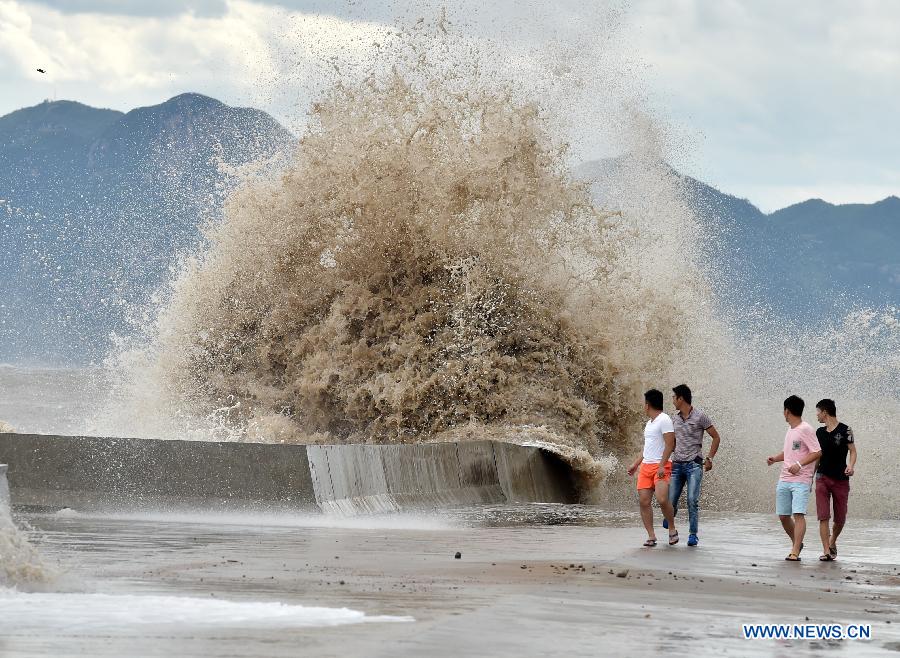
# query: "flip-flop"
{"type": "Point", "coordinates": [833, 550]}
{"type": "Point", "coordinates": [650, 543]}
{"type": "Point", "coordinates": [673, 539]}
{"type": "Point", "coordinates": [793, 557]}
{"type": "Point", "coordinates": [826, 557]}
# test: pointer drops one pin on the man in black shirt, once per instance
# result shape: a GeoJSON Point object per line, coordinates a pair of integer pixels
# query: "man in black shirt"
{"type": "Point", "coordinates": [833, 475]}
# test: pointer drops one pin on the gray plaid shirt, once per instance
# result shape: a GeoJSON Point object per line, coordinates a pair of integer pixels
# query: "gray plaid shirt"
{"type": "Point", "coordinates": [689, 434]}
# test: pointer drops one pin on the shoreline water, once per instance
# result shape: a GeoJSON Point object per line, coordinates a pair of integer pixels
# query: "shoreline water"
{"type": "Point", "coordinates": [524, 584]}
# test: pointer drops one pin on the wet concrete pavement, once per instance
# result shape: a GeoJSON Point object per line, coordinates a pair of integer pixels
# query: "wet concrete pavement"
{"type": "Point", "coordinates": [531, 580]}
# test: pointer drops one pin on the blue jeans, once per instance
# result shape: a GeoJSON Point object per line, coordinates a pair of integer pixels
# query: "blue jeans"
{"type": "Point", "coordinates": [690, 473]}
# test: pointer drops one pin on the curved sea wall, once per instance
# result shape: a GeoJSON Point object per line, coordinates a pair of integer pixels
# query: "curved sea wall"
{"type": "Point", "coordinates": [99, 473]}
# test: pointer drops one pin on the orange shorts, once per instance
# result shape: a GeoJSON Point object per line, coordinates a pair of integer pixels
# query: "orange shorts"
{"type": "Point", "coordinates": [647, 475]}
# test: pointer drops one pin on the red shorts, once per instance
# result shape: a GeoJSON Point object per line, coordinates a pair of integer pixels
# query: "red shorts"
{"type": "Point", "coordinates": [647, 475]}
{"type": "Point", "coordinates": [828, 489]}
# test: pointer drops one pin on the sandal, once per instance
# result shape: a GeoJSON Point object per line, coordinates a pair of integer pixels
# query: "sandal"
{"type": "Point", "coordinates": [833, 550]}
{"type": "Point", "coordinates": [650, 543]}
{"type": "Point", "coordinates": [673, 539]}
{"type": "Point", "coordinates": [826, 557]}
{"type": "Point", "coordinates": [793, 557]}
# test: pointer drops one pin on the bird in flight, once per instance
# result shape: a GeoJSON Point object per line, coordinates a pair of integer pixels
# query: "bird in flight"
{"type": "Point", "coordinates": [41, 71]}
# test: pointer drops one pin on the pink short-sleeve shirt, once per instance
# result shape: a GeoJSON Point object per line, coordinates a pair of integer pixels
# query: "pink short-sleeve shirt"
{"type": "Point", "coordinates": [799, 442]}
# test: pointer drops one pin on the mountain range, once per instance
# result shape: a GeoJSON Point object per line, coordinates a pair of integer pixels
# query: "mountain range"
{"type": "Point", "coordinates": [97, 205]}
{"type": "Point", "coordinates": [811, 262]}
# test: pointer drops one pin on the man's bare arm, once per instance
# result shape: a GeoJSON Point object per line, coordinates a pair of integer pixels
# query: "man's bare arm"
{"type": "Point", "coordinates": [669, 438]}
{"type": "Point", "coordinates": [714, 446]}
{"type": "Point", "coordinates": [851, 467]}
{"type": "Point", "coordinates": [809, 459]}
{"type": "Point", "coordinates": [635, 464]}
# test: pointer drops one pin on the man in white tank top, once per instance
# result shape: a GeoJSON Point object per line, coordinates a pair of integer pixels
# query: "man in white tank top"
{"type": "Point", "coordinates": [654, 467]}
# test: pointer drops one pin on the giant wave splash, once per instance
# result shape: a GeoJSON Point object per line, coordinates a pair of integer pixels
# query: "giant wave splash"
{"type": "Point", "coordinates": [428, 268]}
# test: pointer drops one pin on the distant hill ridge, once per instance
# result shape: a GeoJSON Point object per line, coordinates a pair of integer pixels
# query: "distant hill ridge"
{"type": "Point", "coordinates": [98, 202]}
{"type": "Point", "coordinates": [95, 205]}
{"type": "Point", "coordinates": [809, 260]}
{"type": "Point", "coordinates": [70, 117]}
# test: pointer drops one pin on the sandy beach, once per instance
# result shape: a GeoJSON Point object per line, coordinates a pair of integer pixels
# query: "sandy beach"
{"type": "Point", "coordinates": [530, 580]}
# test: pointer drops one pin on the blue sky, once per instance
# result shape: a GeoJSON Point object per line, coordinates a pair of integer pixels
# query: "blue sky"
{"type": "Point", "coordinates": [776, 102]}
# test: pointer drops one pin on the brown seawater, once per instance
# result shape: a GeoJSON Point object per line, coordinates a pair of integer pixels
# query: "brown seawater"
{"type": "Point", "coordinates": [426, 268]}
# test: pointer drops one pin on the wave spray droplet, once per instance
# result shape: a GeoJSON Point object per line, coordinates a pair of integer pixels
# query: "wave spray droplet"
{"type": "Point", "coordinates": [426, 268]}
{"type": "Point", "coordinates": [414, 270]}
{"type": "Point", "coordinates": [20, 564]}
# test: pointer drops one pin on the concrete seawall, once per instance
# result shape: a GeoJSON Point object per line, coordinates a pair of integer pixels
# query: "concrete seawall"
{"type": "Point", "coordinates": [97, 473]}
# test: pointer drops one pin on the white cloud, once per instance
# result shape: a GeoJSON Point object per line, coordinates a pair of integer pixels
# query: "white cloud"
{"type": "Point", "coordinates": [242, 56]}
{"type": "Point", "coordinates": [790, 98]}
{"type": "Point", "coordinates": [15, 25]}
{"type": "Point", "coordinates": [135, 7]}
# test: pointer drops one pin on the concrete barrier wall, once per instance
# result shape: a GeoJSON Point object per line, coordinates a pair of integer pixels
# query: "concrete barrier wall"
{"type": "Point", "coordinates": [108, 473]}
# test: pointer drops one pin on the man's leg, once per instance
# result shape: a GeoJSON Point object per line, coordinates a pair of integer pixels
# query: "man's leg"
{"type": "Point", "coordinates": [645, 497]}
{"type": "Point", "coordinates": [783, 508]}
{"type": "Point", "coordinates": [841, 494]}
{"type": "Point", "coordinates": [835, 533]}
{"type": "Point", "coordinates": [799, 502]}
{"type": "Point", "coordinates": [799, 532]}
{"type": "Point", "coordinates": [787, 522]}
{"type": "Point", "coordinates": [823, 511]}
{"type": "Point", "coordinates": [676, 486]}
{"type": "Point", "coordinates": [825, 536]}
{"type": "Point", "coordinates": [662, 497]}
{"type": "Point", "coordinates": [695, 477]}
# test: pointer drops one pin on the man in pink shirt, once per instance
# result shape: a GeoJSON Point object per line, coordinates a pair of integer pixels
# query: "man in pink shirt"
{"type": "Point", "coordinates": [801, 450]}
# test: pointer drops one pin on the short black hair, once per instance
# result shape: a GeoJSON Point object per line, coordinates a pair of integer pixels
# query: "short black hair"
{"type": "Point", "coordinates": [794, 405]}
{"type": "Point", "coordinates": [827, 406]}
{"type": "Point", "coordinates": [654, 398]}
{"type": "Point", "coordinates": [682, 391]}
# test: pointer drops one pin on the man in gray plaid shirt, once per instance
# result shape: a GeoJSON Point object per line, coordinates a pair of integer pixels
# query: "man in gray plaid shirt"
{"type": "Point", "coordinates": [688, 463]}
